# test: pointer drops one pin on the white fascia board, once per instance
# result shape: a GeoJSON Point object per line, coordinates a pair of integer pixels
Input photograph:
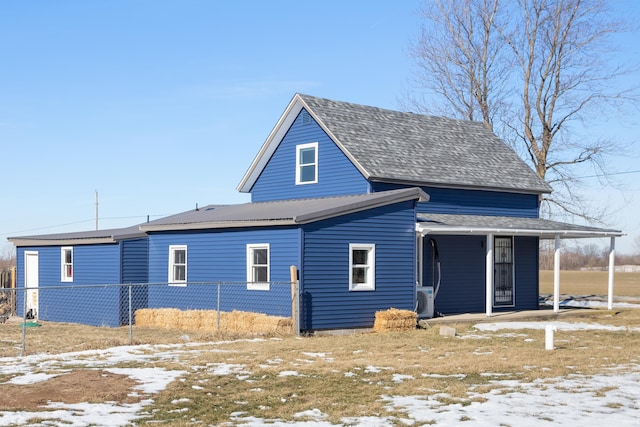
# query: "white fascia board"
{"type": "Point", "coordinates": [545, 234]}
{"type": "Point", "coordinates": [271, 144]}
{"type": "Point", "coordinates": [19, 242]}
{"type": "Point", "coordinates": [336, 141]}
{"type": "Point", "coordinates": [275, 138]}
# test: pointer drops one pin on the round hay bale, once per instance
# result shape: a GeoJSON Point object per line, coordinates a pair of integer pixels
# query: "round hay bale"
{"type": "Point", "coordinates": [395, 320]}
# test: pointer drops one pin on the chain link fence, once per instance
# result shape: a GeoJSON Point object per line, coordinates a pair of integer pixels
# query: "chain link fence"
{"type": "Point", "coordinates": [114, 306]}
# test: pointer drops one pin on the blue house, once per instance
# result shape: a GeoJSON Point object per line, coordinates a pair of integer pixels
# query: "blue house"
{"type": "Point", "coordinates": [67, 267]}
{"type": "Point", "coordinates": [375, 208]}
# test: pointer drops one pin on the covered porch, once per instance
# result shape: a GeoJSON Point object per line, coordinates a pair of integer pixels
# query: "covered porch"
{"type": "Point", "coordinates": [490, 227]}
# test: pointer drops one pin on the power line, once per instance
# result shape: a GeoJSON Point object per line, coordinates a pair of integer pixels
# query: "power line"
{"type": "Point", "coordinates": [608, 174]}
{"type": "Point", "coordinates": [76, 223]}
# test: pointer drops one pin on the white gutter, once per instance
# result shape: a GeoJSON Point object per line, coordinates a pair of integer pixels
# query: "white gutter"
{"type": "Point", "coordinates": [567, 234]}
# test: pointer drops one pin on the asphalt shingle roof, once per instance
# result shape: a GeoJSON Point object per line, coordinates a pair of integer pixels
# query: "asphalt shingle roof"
{"type": "Point", "coordinates": [427, 150]}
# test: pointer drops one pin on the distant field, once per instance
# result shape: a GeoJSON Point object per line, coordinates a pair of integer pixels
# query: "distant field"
{"type": "Point", "coordinates": [591, 283]}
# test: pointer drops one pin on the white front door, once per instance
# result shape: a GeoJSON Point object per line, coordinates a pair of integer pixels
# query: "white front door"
{"type": "Point", "coordinates": [31, 283]}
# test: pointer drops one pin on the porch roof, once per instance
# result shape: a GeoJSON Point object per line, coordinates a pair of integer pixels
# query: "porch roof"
{"type": "Point", "coordinates": [453, 224]}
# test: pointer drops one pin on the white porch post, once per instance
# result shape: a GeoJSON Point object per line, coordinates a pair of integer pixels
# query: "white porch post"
{"type": "Point", "coordinates": [556, 276]}
{"type": "Point", "coordinates": [612, 268]}
{"type": "Point", "coordinates": [489, 275]}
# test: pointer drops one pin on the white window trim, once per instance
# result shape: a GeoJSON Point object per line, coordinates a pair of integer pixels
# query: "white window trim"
{"type": "Point", "coordinates": [63, 270]}
{"type": "Point", "coordinates": [171, 279]}
{"type": "Point", "coordinates": [298, 165]}
{"type": "Point", "coordinates": [370, 284]}
{"type": "Point", "coordinates": [258, 286]}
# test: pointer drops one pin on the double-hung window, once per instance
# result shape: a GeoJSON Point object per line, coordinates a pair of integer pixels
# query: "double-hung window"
{"type": "Point", "coordinates": [66, 262]}
{"type": "Point", "coordinates": [307, 163]}
{"type": "Point", "coordinates": [258, 266]}
{"type": "Point", "coordinates": [178, 265]}
{"type": "Point", "coordinates": [362, 266]}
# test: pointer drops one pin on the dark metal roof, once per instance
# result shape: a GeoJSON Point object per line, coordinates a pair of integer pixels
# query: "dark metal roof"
{"type": "Point", "coordinates": [282, 212]}
{"type": "Point", "coordinates": [79, 238]}
{"type": "Point", "coordinates": [396, 146]}
{"type": "Point", "coordinates": [477, 224]}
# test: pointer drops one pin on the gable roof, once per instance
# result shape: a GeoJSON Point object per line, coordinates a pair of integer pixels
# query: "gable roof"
{"type": "Point", "coordinates": [393, 146]}
{"type": "Point", "coordinates": [80, 237]}
{"type": "Point", "coordinates": [282, 212]}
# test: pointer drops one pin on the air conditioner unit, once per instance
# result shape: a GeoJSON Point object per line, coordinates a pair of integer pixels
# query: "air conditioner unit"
{"type": "Point", "coordinates": [425, 302]}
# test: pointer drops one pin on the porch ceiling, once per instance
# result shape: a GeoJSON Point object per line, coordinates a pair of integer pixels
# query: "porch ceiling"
{"type": "Point", "coordinates": [451, 224]}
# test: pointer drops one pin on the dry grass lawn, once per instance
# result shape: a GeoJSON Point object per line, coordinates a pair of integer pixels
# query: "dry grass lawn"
{"type": "Point", "coordinates": [342, 376]}
{"type": "Point", "coordinates": [591, 283]}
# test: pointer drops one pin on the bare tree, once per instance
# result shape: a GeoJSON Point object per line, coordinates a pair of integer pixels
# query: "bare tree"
{"type": "Point", "coordinates": [461, 59]}
{"type": "Point", "coordinates": [530, 70]}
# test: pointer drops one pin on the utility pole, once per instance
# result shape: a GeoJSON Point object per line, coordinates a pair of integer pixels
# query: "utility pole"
{"type": "Point", "coordinates": [96, 210]}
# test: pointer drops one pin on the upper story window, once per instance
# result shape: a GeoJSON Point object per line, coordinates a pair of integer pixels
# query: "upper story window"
{"type": "Point", "coordinates": [307, 163]}
{"type": "Point", "coordinates": [258, 266]}
{"type": "Point", "coordinates": [177, 264]}
{"type": "Point", "coordinates": [362, 266]}
{"type": "Point", "coordinates": [66, 257]}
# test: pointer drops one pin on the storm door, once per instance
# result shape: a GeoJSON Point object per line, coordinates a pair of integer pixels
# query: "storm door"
{"type": "Point", "coordinates": [503, 286]}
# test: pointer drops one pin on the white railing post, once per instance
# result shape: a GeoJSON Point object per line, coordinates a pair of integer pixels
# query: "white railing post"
{"type": "Point", "coordinates": [612, 269]}
{"type": "Point", "coordinates": [556, 276]}
{"type": "Point", "coordinates": [489, 276]}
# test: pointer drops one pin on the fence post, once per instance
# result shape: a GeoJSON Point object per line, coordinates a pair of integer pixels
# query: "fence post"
{"type": "Point", "coordinates": [293, 271]}
{"type": "Point", "coordinates": [130, 318]}
{"type": "Point", "coordinates": [24, 320]}
{"type": "Point", "coordinates": [14, 299]}
{"type": "Point", "coordinates": [218, 306]}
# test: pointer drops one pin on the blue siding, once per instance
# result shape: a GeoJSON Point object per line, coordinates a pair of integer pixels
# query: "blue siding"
{"type": "Point", "coordinates": [462, 263]}
{"type": "Point", "coordinates": [336, 174]}
{"type": "Point", "coordinates": [135, 269]}
{"type": "Point", "coordinates": [472, 202]}
{"type": "Point", "coordinates": [220, 256]}
{"type": "Point", "coordinates": [526, 272]}
{"type": "Point", "coordinates": [70, 301]}
{"type": "Point", "coordinates": [327, 302]}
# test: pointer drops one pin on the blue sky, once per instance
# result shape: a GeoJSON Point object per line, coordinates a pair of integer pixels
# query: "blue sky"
{"type": "Point", "coordinates": [159, 105]}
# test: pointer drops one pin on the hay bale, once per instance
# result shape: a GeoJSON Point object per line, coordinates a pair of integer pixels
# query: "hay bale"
{"type": "Point", "coordinates": [395, 320]}
{"type": "Point", "coordinates": [145, 317]}
{"type": "Point", "coordinates": [209, 320]}
{"type": "Point", "coordinates": [167, 318]}
{"type": "Point", "coordinates": [190, 319]}
{"type": "Point", "coordinates": [235, 321]}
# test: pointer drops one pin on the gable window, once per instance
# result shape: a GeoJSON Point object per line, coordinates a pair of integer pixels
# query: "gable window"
{"type": "Point", "coordinates": [178, 264]}
{"type": "Point", "coordinates": [66, 257]}
{"type": "Point", "coordinates": [258, 266]}
{"type": "Point", "coordinates": [307, 163]}
{"type": "Point", "coordinates": [362, 262]}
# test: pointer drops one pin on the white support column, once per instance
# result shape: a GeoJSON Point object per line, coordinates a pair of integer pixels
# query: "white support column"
{"type": "Point", "coordinates": [612, 269]}
{"type": "Point", "coordinates": [556, 276]}
{"type": "Point", "coordinates": [489, 275]}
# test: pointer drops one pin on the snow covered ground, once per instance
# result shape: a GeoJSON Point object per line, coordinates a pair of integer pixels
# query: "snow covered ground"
{"type": "Point", "coordinates": [572, 400]}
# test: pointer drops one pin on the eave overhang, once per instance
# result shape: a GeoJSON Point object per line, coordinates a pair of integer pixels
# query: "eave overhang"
{"type": "Point", "coordinates": [461, 225]}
